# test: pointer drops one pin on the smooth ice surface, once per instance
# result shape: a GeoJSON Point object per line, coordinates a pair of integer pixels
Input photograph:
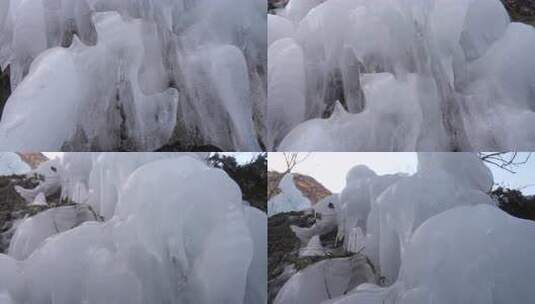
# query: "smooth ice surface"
{"type": "Point", "coordinates": [106, 75]}
{"type": "Point", "coordinates": [382, 75]}
{"type": "Point", "coordinates": [31, 232]}
{"type": "Point", "coordinates": [436, 268]}
{"type": "Point", "coordinates": [443, 181]}
{"type": "Point", "coordinates": [11, 163]}
{"type": "Point", "coordinates": [289, 199]}
{"type": "Point", "coordinates": [166, 240]}
{"type": "Point", "coordinates": [325, 280]}
{"type": "Point", "coordinates": [435, 237]}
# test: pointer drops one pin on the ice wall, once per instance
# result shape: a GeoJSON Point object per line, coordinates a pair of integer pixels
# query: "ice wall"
{"type": "Point", "coordinates": [400, 76]}
{"type": "Point", "coordinates": [289, 199]}
{"type": "Point", "coordinates": [120, 66]}
{"type": "Point", "coordinates": [476, 254]}
{"type": "Point", "coordinates": [168, 241]}
{"type": "Point", "coordinates": [434, 237]}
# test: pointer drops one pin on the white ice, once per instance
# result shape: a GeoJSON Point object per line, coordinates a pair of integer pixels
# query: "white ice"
{"type": "Point", "coordinates": [106, 75]}
{"type": "Point", "coordinates": [289, 199]}
{"type": "Point", "coordinates": [434, 237]}
{"type": "Point", "coordinates": [441, 75]}
{"type": "Point", "coordinates": [167, 240]}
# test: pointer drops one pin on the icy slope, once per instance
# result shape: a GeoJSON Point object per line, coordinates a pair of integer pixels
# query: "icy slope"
{"type": "Point", "coordinates": [168, 240]}
{"type": "Point", "coordinates": [440, 75]}
{"type": "Point", "coordinates": [133, 74]}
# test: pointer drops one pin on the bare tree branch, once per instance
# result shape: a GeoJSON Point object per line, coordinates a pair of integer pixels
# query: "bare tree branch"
{"type": "Point", "coordinates": [508, 161]}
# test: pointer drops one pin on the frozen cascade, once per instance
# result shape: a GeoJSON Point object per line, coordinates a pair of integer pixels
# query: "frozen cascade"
{"type": "Point", "coordinates": [440, 75]}
{"type": "Point", "coordinates": [207, 247]}
{"type": "Point", "coordinates": [133, 74]}
{"type": "Point", "coordinates": [420, 230]}
{"type": "Point", "coordinates": [289, 199]}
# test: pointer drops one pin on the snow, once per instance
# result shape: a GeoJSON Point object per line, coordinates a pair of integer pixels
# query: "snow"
{"type": "Point", "coordinates": [404, 76]}
{"type": "Point", "coordinates": [11, 163]}
{"type": "Point", "coordinates": [120, 65]}
{"type": "Point", "coordinates": [289, 199]}
{"type": "Point", "coordinates": [166, 240]}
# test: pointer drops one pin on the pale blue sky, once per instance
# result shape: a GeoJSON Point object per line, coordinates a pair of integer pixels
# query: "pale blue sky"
{"type": "Point", "coordinates": [331, 168]}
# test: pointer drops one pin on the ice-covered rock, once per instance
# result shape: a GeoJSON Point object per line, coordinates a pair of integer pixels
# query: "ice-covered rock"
{"type": "Point", "coordinates": [410, 75]}
{"type": "Point", "coordinates": [326, 280]}
{"type": "Point", "coordinates": [49, 172]}
{"type": "Point", "coordinates": [289, 199]}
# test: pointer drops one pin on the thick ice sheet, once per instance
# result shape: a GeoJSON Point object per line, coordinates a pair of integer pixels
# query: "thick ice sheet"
{"type": "Point", "coordinates": [166, 240]}
{"type": "Point", "coordinates": [119, 66]}
{"type": "Point", "coordinates": [410, 76]}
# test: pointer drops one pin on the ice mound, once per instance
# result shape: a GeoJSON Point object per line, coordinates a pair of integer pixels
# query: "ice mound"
{"type": "Point", "coordinates": [289, 199]}
{"type": "Point", "coordinates": [325, 280]}
{"type": "Point", "coordinates": [168, 239]}
{"type": "Point", "coordinates": [133, 74]}
{"type": "Point", "coordinates": [433, 237]}
{"type": "Point", "coordinates": [34, 230]}
{"type": "Point", "coordinates": [11, 163]}
{"type": "Point", "coordinates": [435, 265]}
{"type": "Point", "coordinates": [387, 75]}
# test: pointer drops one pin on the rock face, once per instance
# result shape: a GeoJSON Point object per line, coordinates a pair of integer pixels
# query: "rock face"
{"type": "Point", "coordinates": [311, 188]}
{"type": "Point", "coordinates": [5, 89]}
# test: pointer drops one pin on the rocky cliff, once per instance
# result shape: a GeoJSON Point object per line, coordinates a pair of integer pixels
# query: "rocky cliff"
{"type": "Point", "coordinates": [310, 187]}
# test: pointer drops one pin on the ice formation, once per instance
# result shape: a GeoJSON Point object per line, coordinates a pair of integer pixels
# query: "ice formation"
{"type": "Point", "coordinates": [325, 280]}
{"type": "Point", "coordinates": [11, 163]}
{"type": "Point", "coordinates": [325, 220]}
{"type": "Point", "coordinates": [289, 199]}
{"type": "Point", "coordinates": [133, 74]}
{"type": "Point", "coordinates": [166, 240]}
{"type": "Point", "coordinates": [382, 75]}
{"type": "Point", "coordinates": [419, 231]}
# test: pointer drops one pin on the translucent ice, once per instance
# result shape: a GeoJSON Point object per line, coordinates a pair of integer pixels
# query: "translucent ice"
{"type": "Point", "coordinates": [34, 230]}
{"type": "Point", "coordinates": [289, 199]}
{"type": "Point", "coordinates": [434, 237]}
{"type": "Point", "coordinates": [120, 75]}
{"type": "Point", "coordinates": [325, 280]}
{"type": "Point", "coordinates": [435, 269]}
{"type": "Point", "coordinates": [168, 241]}
{"type": "Point", "coordinates": [409, 75]}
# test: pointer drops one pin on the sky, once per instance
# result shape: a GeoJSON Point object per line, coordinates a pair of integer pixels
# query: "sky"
{"type": "Point", "coordinates": [330, 169]}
